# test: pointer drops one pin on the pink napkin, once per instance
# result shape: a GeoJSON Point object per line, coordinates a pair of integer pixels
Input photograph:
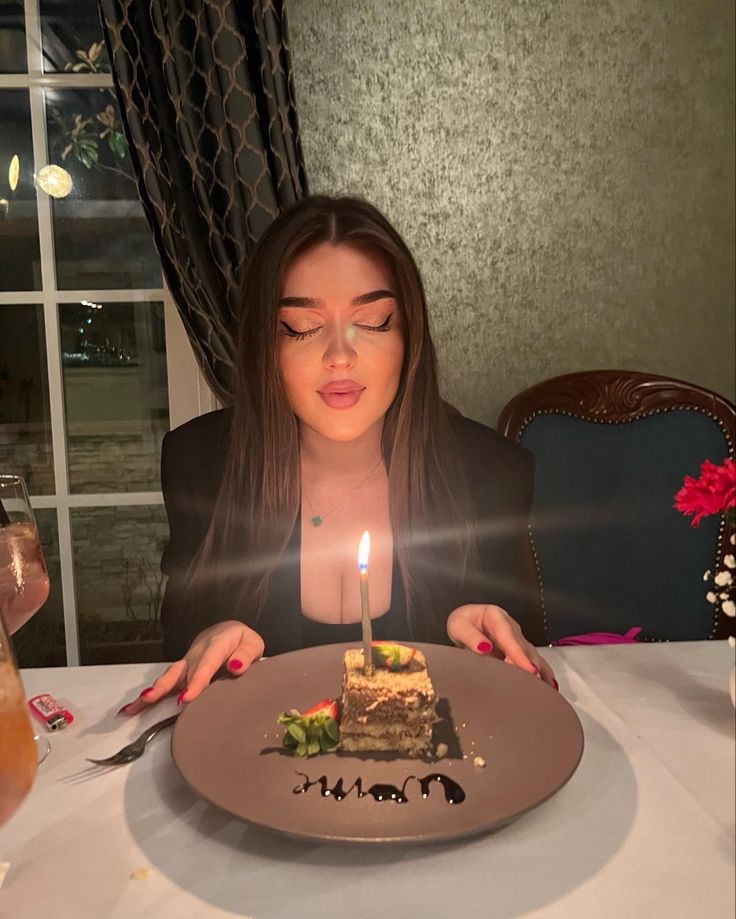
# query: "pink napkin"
{"type": "Point", "coordinates": [600, 638]}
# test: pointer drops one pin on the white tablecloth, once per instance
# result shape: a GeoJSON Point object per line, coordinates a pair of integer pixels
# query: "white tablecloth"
{"type": "Point", "coordinates": [645, 828]}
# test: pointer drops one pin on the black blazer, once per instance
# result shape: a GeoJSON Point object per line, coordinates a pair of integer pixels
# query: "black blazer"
{"type": "Point", "coordinates": [500, 477]}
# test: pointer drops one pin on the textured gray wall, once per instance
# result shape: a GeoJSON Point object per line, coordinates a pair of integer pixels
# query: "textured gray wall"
{"type": "Point", "coordinates": [563, 171]}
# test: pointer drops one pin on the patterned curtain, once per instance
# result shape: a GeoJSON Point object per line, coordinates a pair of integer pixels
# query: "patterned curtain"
{"type": "Point", "coordinates": [207, 99]}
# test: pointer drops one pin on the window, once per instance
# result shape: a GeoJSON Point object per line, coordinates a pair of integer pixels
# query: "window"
{"type": "Point", "coordinates": [89, 341]}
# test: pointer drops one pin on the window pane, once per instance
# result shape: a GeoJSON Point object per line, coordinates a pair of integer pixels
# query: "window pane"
{"type": "Point", "coordinates": [12, 37]}
{"type": "Point", "coordinates": [115, 393]}
{"type": "Point", "coordinates": [101, 237]}
{"type": "Point", "coordinates": [71, 36]}
{"type": "Point", "coordinates": [40, 643]}
{"type": "Point", "coordinates": [20, 262]}
{"type": "Point", "coordinates": [25, 416]}
{"type": "Point", "coordinates": [117, 574]}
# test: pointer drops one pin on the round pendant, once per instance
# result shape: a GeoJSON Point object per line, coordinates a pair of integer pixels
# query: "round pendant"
{"type": "Point", "coordinates": [316, 520]}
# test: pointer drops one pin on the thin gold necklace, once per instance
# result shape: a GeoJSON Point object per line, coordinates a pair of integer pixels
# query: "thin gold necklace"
{"type": "Point", "coordinates": [317, 519]}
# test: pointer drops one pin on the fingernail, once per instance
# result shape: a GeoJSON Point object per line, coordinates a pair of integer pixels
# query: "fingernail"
{"type": "Point", "coordinates": [181, 697]}
{"type": "Point", "coordinates": [556, 685]}
{"type": "Point", "coordinates": [236, 664]}
{"type": "Point", "coordinates": [536, 670]}
{"type": "Point", "coordinates": [145, 692]}
{"type": "Point", "coordinates": [485, 647]}
{"type": "Point", "coordinates": [123, 710]}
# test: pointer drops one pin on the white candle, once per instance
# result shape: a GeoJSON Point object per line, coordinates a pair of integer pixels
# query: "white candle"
{"type": "Point", "coordinates": [364, 550]}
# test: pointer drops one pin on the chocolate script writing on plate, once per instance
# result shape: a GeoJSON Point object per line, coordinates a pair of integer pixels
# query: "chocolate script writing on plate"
{"type": "Point", "coordinates": [454, 794]}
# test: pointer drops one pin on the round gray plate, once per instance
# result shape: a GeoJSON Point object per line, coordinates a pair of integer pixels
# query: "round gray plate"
{"type": "Point", "coordinates": [227, 745]}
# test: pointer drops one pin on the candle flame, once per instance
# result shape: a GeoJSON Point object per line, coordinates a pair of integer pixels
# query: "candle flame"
{"type": "Point", "coordinates": [364, 550]}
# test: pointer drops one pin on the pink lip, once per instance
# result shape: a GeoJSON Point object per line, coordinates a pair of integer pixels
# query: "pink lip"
{"type": "Point", "coordinates": [341, 393]}
{"type": "Point", "coordinates": [340, 386]}
{"type": "Point", "coordinates": [342, 399]}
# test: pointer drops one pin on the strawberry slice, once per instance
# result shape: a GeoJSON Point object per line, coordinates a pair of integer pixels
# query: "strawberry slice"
{"type": "Point", "coordinates": [391, 656]}
{"type": "Point", "coordinates": [312, 731]}
{"type": "Point", "coordinates": [325, 707]}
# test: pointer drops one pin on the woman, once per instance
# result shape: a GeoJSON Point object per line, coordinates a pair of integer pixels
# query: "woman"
{"type": "Point", "coordinates": [337, 427]}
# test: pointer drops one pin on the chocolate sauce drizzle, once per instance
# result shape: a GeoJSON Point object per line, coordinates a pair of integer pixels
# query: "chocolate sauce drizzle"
{"type": "Point", "coordinates": [454, 794]}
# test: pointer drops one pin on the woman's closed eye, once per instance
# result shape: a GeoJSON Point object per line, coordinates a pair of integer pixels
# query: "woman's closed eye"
{"type": "Point", "coordinates": [375, 325]}
{"type": "Point", "coordinates": [368, 325]}
{"type": "Point", "coordinates": [298, 334]}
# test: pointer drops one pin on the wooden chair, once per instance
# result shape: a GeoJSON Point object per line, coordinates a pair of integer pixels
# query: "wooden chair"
{"type": "Point", "coordinates": [612, 448]}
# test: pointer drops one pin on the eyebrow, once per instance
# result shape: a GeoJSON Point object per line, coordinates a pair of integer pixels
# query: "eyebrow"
{"type": "Point", "coordinates": [361, 300]}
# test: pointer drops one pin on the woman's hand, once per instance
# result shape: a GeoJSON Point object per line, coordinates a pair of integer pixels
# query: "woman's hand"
{"type": "Point", "coordinates": [483, 628]}
{"type": "Point", "coordinates": [229, 641]}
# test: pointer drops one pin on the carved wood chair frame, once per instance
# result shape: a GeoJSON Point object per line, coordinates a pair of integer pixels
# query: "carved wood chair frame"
{"type": "Point", "coordinates": [618, 397]}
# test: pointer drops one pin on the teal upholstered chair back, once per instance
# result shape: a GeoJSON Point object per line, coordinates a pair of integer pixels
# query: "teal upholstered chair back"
{"type": "Point", "coordinates": [612, 448]}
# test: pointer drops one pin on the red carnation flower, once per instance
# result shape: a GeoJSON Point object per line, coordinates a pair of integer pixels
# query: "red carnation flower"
{"type": "Point", "coordinates": [713, 493]}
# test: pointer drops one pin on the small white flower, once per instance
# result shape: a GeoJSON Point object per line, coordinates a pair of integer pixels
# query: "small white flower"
{"type": "Point", "coordinates": [723, 579]}
{"type": "Point", "coordinates": [729, 561]}
{"type": "Point", "coordinates": [711, 597]}
{"type": "Point", "coordinates": [723, 596]}
{"type": "Point", "coordinates": [732, 641]}
{"type": "Point", "coordinates": [729, 608]}
{"type": "Point", "coordinates": [707, 575]}
{"type": "Point", "coordinates": [732, 540]}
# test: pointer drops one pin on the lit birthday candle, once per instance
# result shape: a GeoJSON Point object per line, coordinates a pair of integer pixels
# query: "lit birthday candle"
{"type": "Point", "coordinates": [364, 550]}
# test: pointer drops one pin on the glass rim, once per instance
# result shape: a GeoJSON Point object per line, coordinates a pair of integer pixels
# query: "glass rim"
{"type": "Point", "coordinates": [13, 488]}
{"type": "Point", "coordinates": [10, 478]}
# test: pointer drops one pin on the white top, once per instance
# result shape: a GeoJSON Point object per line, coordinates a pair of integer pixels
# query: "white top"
{"type": "Point", "coordinates": [645, 828]}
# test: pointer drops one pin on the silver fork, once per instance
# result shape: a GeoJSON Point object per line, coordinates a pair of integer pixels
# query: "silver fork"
{"type": "Point", "coordinates": [135, 749]}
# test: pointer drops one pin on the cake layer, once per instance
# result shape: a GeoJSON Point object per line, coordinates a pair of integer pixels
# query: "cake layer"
{"type": "Point", "coordinates": [384, 708]}
{"type": "Point", "coordinates": [362, 743]}
{"type": "Point", "coordinates": [388, 727]}
{"type": "Point", "coordinates": [385, 693]}
{"type": "Point", "coordinates": [387, 715]}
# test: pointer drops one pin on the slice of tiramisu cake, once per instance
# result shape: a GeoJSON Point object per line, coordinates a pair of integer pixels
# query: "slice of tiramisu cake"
{"type": "Point", "coordinates": [393, 708]}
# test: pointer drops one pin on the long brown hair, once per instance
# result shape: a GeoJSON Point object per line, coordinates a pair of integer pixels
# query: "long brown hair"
{"type": "Point", "coordinates": [260, 495]}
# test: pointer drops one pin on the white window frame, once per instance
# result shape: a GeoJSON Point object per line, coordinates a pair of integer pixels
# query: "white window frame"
{"type": "Point", "coordinates": [189, 394]}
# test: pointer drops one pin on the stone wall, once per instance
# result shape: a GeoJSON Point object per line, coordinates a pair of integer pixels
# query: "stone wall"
{"type": "Point", "coordinates": [117, 580]}
{"type": "Point", "coordinates": [103, 458]}
{"type": "Point", "coordinates": [117, 554]}
{"type": "Point", "coordinates": [119, 458]}
{"type": "Point", "coordinates": [117, 577]}
{"type": "Point", "coordinates": [116, 550]}
{"type": "Point", "coordinates": [25, 449]}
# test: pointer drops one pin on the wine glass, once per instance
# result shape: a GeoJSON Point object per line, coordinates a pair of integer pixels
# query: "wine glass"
{"type": "Point", "coordinates": [18, 756]}
{"type": "Point", "coordinates": [24, 580]}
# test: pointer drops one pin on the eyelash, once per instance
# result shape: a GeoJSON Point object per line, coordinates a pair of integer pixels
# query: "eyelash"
{"type": "Point", "coordinates": [385, 326]}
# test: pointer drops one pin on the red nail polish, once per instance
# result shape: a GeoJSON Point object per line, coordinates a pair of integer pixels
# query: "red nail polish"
{"type": "Point", "coordinates": [536, 671]}
{"type": "Point", "coordinates": [123, 710]}
{"type": "Point", "coordinates": [147, 691]}
{"type": "Point", "coordinates": [181, 697]}
{"type": "Point", "coordinates": [485, 647]}
{"type": "Point", "coordinates": [556, 685]}
{"type": "Point", "coordinates": [236, 664]}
